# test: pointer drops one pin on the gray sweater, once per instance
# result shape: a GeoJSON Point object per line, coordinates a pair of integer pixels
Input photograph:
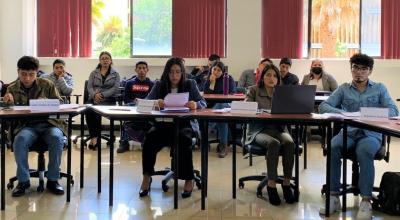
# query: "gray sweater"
{"type": "Point", "coordinates": [63, 84]}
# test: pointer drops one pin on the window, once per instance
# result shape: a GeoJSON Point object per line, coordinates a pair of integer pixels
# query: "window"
{"type": "Point", "coordinates": [335, 28]}
{"type": "Point", "coordinates": [149, 34]}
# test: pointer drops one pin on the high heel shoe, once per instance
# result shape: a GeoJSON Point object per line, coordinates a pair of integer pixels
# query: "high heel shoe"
{"type": "Point", "coordinates": [187, 194]}
{"type": "Point", "coordinates": [145, 192]}
{"type": "Point", "coordinates": [93, 146]}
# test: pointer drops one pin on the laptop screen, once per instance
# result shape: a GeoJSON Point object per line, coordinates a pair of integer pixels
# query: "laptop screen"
{"type": "Point", "coordinates": [297, 99]}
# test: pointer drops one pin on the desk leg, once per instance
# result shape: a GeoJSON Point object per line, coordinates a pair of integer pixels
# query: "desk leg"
{"type": "Point", "coordinates": [82, 151]}
{"type": "Point", "coordinates": [99, 164]}
{"type": "Point", "coordinates": [233, 131]}
{"type": "Point", "coordinates": [204, 155]}
{"type": "Point", "coordinates": [69, 159]}
{"type": "Point", "coordinates": [303, 139]}
{"type": "Point", "coordinates": [344, 155]}
{"type": "Point", "coordinates": [175, 159]}
{"type": "Point", "coordinates": [111, 189]}
{"type": "Point", "coordinates": [3, 162]}
{"type": "Point", "coordinates": [328, 170]}
{"type": "Point", "coordinates": [296, 162]}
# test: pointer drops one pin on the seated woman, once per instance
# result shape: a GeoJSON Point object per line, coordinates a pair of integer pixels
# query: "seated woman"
{"type": "Point", "coordinates": [318, 77]}
{"type": "Point", "coordinates": [102, 87]}
{"type": "Point", "coordinates": [272, 137]}
{"type": "Point", "coordinates": [173, 80]}
{"type": "Point", "coordinates": [215, 85]}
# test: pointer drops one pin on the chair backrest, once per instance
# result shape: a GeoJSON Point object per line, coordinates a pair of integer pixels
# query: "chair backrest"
{"type": "Point", "coordinates": [85, 93]}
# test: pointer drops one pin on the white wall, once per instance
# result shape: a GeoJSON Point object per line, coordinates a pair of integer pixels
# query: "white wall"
{"type": "Point", "coordinates": [243, 50]}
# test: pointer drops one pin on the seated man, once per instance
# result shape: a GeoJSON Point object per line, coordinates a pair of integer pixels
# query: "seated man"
{"type": "Point", "coordinates": [288, 78]}
{"type": "Point", "coordinates": [52, 131]}
{"type": "Point", "coordinates": [251, 77]}
{"type": "Point", "coordinates": [349, 97]}
{"type": "Point", "coordinates": [136, 88]}
{"type": "Point", "coordinates": [62, 79]}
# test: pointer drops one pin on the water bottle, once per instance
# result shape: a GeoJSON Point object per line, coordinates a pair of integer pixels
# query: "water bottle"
{"type": "Point", "coordinates": [226, 83]}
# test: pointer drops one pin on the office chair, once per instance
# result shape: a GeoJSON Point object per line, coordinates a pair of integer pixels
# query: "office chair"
{"type": "Point", "coordinates": [257, 150]}
{"type": "Point", "coordinates": [169, 174]}
{"type": "Point", "coordinates": [86, 137]}
{"type": "Point", "coordinates": [40, 147]}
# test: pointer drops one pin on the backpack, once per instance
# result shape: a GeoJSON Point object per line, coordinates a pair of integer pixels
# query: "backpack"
{"type": "Point", "coordinates": [389, 193]}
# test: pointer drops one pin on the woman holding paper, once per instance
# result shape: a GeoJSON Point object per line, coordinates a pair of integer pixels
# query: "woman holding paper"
{"type": "Point", "coordinates": [173, 80]}
{"type": "Point", "coordinates": [102, 87]}
{"type": "Point", "coordinates": [275, 138]}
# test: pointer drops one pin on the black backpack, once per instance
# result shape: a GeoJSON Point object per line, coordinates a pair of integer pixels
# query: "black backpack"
{"type": "Point", "coordinates": [389, 193]}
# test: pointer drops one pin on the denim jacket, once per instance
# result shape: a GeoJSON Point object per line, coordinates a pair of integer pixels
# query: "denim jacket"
{"type": "Point", "coordinates": [348, 99]}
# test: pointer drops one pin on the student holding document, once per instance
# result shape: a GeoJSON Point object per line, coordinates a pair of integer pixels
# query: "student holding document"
{"type": "Point", "coordinates": [173, 80]}
{"type": "Point", "coordinates": [272, 137]}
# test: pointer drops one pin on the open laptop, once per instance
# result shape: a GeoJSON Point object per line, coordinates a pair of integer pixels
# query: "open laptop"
{"type": "Point", "coordinates": [293, 99]}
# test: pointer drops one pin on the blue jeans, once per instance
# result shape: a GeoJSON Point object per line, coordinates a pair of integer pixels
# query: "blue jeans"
{"type": "Point", "coordinates": [51, 135]}
{"type": "Point", "coordinates": [222, 127]}
{"type": "Point", "coordinates": [365, 148]}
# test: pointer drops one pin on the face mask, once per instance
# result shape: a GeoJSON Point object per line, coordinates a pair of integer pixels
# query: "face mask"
{"type": "Point", "coordinates": [316, 70]}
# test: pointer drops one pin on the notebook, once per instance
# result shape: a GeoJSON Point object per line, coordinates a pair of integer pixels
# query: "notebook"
{"type": "Point", "coordinates": [297, 99]}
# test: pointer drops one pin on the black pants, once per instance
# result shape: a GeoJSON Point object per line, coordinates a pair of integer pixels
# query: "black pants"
{"type": "Point", "coordinates": [93, 120]}
{"type": "Point", "coordinates": [161, 135]}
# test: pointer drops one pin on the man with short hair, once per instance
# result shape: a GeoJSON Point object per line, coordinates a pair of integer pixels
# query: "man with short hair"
{"type": "Point", "coordinates": [200, 73]}
{"type": "Point", "coordinates": [52, 131]}
{"type": "Point", "coordinates": [62, 79]}
{"type": "Point", "coordinates": [288, 78]}
{"type": "Point", "coordinates": [250, 77]}
{"type": "Point", "coordinates": [349, 97]}
{"type": "Point", "coordinates": [136, 88]}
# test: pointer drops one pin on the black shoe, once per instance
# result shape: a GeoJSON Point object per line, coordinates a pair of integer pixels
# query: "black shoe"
{"type": "Point", "coordinates": [54, 187]}
{"type": "Point", "coordinates": [187, 194]}
{"type": "Point", "coordinates": [20, 189]}
{"type": "Point", "coordinates": [288, 194]}
{"type": "Point", "coordinates": [123, 147]}
{"type": "Point", "coordinates": [273, 196]}
{"type": "Point", "coordinates": [145, 192]}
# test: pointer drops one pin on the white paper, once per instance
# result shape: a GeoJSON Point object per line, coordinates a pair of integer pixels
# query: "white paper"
{"type": "Point", "coordinates": [145, 105]}
{"type": "Point", "coordinates": [44, 104]}
{"type": "Point", "coordinates": [69, 106]}
{"type": "Point", "coordinates": [372, 112]}
{"type": "Point", "coordinates": [223, 110]}
{"type": "Point", "coordinates": [351, 114]}
{"type": "Point", "coordinates": [20, 107]}
{"type": "Point", "coordinates": [244, 107]}
{"type": "Point", "coordinates": [321, 98]}
{"type": "Point", "coordinates": [176, 99]}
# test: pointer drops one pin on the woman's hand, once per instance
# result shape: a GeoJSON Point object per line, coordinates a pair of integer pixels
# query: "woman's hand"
{"type": "Point", "coordinates": [192, 105]}
{"type": "Point", "coordinates": [161, 103]}
{"type": "Point", "coordinates": [98, 97]}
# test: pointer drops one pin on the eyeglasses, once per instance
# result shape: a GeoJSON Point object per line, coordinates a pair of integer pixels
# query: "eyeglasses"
{"type": "Point", "coordinates": [359, 68]}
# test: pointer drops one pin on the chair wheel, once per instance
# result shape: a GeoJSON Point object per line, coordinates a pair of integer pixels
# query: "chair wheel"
{"type": "Point", "coordinates": [198, 184]}
{"type": "Point", "coordinates": [165, 187]}
{"type": "Point", "coordinates": [10, 185]}
{"type": "Point", "coordinates": [241, 184]}
{"type": "Point", "coordinates": [72, 182]}
{"type": "Point", "coordinates": [40, 188]}
{"type": "Point", "coordinates": [74, 141]}
{"type": "Point", "coordinates": [259, 194]}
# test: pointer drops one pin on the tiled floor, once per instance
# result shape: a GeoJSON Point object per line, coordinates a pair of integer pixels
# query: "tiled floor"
{"type": "Point", "coordinates": [86, 203]}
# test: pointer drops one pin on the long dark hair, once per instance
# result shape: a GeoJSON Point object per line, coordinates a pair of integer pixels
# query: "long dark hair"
{"type": "Point", "coordinates": [165, 82]}
{"type": "Point", "coordinates": [265, 70]}
{"type": "Point", "coordinates": [217, 64]}
{"type": "Point", "coordinates": [108, 54]}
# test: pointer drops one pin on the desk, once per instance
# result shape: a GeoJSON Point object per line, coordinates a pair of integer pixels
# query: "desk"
{"type": "Point", "coordinates": [25, 115]}
{"type": "Point", "coordinates": [126, 113]}
{"type": "Point", "coordinates": [220, 98]}
{"type": "Point", "coordinates": [206, 115]}
{"type": "Point", "coordinates": [385, 126]}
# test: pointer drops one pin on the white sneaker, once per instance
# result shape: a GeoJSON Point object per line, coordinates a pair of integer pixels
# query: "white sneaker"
{"type": "Point", "coordinates": [365, 210]}
{"type": "Point", "coordinates": [334, 205]}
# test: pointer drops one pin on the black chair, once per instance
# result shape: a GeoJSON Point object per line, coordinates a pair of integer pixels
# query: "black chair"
{"type": "Point", "coordinates": [257, 150]}
{"type": "Point", "coordinates": [87, 137]}
{"type": "Point", "coordinates": [382, 154]}
{"type": "Point", "coordinates": [169, 174]}
{"type": "Point", "coordinates": [41, 172]}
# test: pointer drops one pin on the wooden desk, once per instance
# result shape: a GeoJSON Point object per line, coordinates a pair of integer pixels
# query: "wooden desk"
{"type": "Point", "coordinates": [6, 115]}
{"type": "Point", "coordinates": [126, 113]}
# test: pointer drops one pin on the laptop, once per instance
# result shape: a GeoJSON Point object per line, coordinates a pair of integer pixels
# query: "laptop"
{"type": "Point", "coordinates": [293, 99]}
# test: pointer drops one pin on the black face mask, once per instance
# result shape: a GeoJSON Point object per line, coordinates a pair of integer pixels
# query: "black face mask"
{"type": "Point", "coordinates": [316, 70]}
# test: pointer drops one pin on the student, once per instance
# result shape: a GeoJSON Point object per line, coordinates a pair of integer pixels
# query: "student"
{"type": "Point", "coordinates": [200, 73]}
{"type": "Point", "coordinates": [274, 138]}
{"type": "Point", "coordinates": [251, 77]}
{"type": "Point", "coordinates": [349, 97]}
{"type": "Point", "coordinates": [102, 87]}
{"type": "Point", "coordinates": [288, 78]}
{"type": "Point", "coordinates": [62, 79]}
{"type": "Point", "coordinates": [52, 131]}
{"type": "Point", "coordinates": [320, 78]}
{"type": "Point", "coordinates": [136, 88]}
{"type": "Point", "coordinates": [214, 85]}
{"type": "Point", "coordinates": [172, 81]}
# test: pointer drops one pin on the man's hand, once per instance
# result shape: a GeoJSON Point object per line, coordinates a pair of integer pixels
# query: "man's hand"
{"type": "Point", "coordinates": [60, 74]}
{"type": "Point", "coordinates": [8, 98]}
{"type": "Point", "coordinates": [98, 97]}
{"type": "Point", "coordinates": [191, 105]}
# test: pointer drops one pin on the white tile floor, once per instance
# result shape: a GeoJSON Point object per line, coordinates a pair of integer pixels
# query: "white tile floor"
{"type": "Point", "coordinates": [86, 203]}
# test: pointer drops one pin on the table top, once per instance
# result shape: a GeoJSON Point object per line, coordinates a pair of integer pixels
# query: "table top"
{"type": "Point", "coordinates": [388, 126]}
{"type": "Point", "coordinates": [224, 98]}
{"type": "Point", "coordinates": [28, 113]}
